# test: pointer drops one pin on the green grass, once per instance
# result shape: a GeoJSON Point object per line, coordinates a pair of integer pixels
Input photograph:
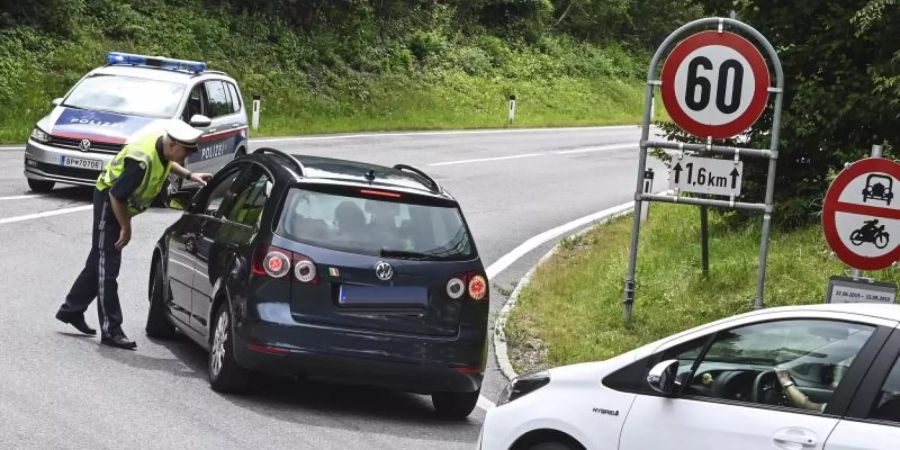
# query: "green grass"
{"type": "Point", "coordinates": [572, 310]}
{"type": "Point", "coordinates": [407, 73]}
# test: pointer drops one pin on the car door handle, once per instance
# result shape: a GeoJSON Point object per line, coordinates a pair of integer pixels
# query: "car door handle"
{"type": "Point", "coordinates": [795, 439]}
{"type": "Point", "coordinates": [236, 125]}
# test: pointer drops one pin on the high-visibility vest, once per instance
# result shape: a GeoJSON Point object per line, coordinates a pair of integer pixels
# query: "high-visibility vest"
{"type": "Point", "coordinates": [144, 152]}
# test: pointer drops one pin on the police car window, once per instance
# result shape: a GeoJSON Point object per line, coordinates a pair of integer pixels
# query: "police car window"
{"type": "Point", "coordinates": [127, 95]}
{"type": "Point", "coordinates": [196, 104]}
{"type": "Point", "coordinates": [235, 98]}
{"type": "Point", "coordinates": [219, 194]}
{"type": "Point", "coordinates": [888, 405]}
{"type": "Point", "coordinates": [249, 203]}
{"type": "Point", "coordinates": [217, 97]}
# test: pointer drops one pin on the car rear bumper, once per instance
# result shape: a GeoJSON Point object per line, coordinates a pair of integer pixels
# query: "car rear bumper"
{"type": "Point", "coordinates": [412, 363]}
{"type": "Point", "coordinates": [43, 162]}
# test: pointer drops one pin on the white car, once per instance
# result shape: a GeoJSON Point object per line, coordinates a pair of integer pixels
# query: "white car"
{"type": "Point", "coordinates": [803, 377]}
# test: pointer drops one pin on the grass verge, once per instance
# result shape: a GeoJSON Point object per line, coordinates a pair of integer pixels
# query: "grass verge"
{"type": "Point", "coordinates": [571, 311]}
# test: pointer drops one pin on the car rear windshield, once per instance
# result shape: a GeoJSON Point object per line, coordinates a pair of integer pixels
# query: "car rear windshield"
{"type": "Point", "coordinates": [388, 228]}
{"type": "Point", "coordinates": [127, 95]}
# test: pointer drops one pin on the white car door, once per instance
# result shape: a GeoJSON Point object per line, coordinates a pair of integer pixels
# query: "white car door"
{"type": "Point", "coordinates": [873, 421]}
{"type": "Point", "coordinates": [732, 399]}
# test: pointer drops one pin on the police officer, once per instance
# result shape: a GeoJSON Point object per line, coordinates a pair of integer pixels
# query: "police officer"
{"type": "Point", "coordinates": [125, 188]}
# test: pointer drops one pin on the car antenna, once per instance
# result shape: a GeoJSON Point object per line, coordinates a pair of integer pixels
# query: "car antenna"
{"type": "Point", "coordinates": [370, 175]}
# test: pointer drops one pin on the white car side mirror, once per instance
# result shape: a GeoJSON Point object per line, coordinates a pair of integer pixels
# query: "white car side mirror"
{"type": "Point", "coordinates": [199, 121]}
{"type": "Point", "coordinates": [663, 377]}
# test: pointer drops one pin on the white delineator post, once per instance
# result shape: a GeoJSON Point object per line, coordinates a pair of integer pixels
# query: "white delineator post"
{"type": "Point", "coordinates": [255, 119]}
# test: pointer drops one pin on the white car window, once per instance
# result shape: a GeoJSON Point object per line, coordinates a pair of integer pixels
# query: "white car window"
{"type": "Point", "coordinates": [888, 405]}
{"type": "Point", "coordinates": [742, 363]}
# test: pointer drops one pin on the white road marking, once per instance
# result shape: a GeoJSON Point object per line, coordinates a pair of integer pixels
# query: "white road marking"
{"type": "Point", "coordinates": [12, 148]}
{"type": "Point", "coordinates": [442, 133]}
{"type": "Point", "coordinates": [508, 259]}
{"type": "Point", "coordinates": [597, 149]}
{"type": "Point", "coordinates": [55, 212]}
{"type": "Point", "coordinates": [498, 158]}
{"type": "Point", "coordinates": [20, 197]}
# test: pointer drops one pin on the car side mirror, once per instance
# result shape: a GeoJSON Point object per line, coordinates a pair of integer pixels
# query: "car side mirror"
{"type": "Point", "coordinates": [57, 101]}
{"type": "Point", "coordinates": [200, 121]}
{"type": "Point", "coordinates": [181, 199]}
{"type": "Point", "coordinates": [663, 377]}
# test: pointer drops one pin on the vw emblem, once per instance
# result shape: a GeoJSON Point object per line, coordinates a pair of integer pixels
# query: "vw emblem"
{"type": "Point", "coordinates": [384, 271]}
{"type": "Point", "coordinates": [84, 145]}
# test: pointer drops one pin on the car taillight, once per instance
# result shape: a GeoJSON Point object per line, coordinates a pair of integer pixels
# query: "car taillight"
{"type": "Point", "coordinates": [380, 193]}
{"type": "Point", "coordinates": [276, 263]}
{"type": "Point", "coordinates": [456, 288]}
{"type": "Point", "coordinates": [477, 287]}
{"type": "Point", "coordinates": [305, 269]}
{"type": "Point", "coordinates": [472, 283]}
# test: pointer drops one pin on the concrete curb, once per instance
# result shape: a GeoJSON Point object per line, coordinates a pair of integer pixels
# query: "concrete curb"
{"type": "Point", "coordinates": [499, 335]}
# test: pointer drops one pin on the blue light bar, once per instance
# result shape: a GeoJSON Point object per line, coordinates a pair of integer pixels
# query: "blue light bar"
{"type": "Point", "coordinates": [152, 61]}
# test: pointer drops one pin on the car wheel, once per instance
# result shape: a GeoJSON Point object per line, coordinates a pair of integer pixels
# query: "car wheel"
{"type": "Point", "coordinates": [158, 325]}
{"type": "Point", "coordinates": [40, 185]}
{"type": "Point", "coordinates": [224, 373]}
{"type": "Point", "coordinates": [455, 405]}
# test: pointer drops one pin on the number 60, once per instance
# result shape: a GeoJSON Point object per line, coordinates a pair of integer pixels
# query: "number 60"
{"type": "Point", "coordinates": [729, 70]}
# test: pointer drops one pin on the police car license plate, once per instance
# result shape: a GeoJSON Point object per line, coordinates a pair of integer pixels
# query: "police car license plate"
{"type": "Point", "coordinates": [81, 163]}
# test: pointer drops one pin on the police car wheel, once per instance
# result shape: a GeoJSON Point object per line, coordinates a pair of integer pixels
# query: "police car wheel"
{"type": "Point", "coordinates": [40, 185]}
{"type": "Point", "coordinates": [224, 373]}
{"type": "Point", "coordinates": [455, 405]}
{"type": "Point", "coordinates": [158, 325]}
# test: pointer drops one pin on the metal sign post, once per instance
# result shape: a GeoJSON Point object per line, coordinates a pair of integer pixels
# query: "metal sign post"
{"type": "Point", "coordinates": [715, 84]}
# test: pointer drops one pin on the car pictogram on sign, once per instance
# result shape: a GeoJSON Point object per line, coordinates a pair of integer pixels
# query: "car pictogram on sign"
{"type": "Point", "coordinates": [879, 187]}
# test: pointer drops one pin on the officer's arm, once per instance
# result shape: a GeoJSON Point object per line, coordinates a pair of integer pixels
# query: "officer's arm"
{"type": "Point", "coordinates": [125, 185]}
{"type": "Point", "coordinates": [179, 170]}
{"type": "Point", "coordinates": [120, 209]}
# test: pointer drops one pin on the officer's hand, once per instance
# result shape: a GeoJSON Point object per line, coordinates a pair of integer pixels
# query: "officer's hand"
{"type": "Point", "coordinates": [124, 238]}
{"type": "Point", "coordinates": [201, 178]}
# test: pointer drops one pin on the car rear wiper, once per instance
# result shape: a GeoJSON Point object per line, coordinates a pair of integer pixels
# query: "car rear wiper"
{"type": "Point", "coordinates": [404, 254]}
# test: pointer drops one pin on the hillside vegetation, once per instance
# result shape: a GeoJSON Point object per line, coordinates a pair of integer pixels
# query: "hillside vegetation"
{"type": "Point", "coordinates": [323, 66]}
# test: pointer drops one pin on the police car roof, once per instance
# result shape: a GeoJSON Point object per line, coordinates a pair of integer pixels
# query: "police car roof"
{"type": "Point", "coordinates": [153, 73]}
{"type": "Point", "coordinates": [341, 170]}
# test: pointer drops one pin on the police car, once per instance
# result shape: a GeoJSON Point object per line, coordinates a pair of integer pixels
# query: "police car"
{"type": "Point", "coordinates": [128, 97]}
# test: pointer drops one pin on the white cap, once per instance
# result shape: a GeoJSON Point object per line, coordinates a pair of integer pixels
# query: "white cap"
{"type": "Point", "coordinates": [183, 133]}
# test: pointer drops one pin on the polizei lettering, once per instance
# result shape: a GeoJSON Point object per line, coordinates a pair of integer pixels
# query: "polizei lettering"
{"type": "Point", "coordinates": [99, 123]}
{"type": "Point", "coordinates": [213, 151]}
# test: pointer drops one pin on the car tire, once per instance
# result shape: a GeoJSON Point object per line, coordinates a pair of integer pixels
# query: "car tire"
{"type": "Point", "coordinates": [224, 373]}
{"type": "Point", "coordinates": [40, 185]}
{"type": "Point", "coordinates": [158, 325]}
{"type": "Point", "coordinates": [454, 405]}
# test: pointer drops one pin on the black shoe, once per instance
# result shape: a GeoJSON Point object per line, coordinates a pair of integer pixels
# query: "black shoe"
{"type": "Point", "coordinates": [119, 341]}
{"type": "Point", "coordinates": [76, 321]}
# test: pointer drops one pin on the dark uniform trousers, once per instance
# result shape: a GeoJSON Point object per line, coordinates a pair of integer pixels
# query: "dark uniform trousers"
{"type": "Point", "coordinates": [98, 278]}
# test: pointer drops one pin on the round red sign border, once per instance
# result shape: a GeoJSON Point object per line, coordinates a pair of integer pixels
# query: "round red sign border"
{"type": "Point", "coordinates": [829, 213]}
{"type": "Point", "coordinates": [757, 103]}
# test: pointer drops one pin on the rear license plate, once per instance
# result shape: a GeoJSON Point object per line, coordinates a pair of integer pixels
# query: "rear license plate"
{"type": "Point", "coordinates": [377, 296]}
{"type": "Point", "coordinates": [81, 163]}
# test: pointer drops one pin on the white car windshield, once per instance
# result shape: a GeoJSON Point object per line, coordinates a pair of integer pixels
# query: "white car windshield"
{"type": "Point", "coordinates": [127, 95]}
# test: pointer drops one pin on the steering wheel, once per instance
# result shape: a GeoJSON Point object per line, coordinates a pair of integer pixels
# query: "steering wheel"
{"type": "Point", "coordinates": [766, 382]}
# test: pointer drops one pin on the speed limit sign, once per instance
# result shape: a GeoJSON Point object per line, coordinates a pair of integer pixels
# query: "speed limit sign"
{"type": "Point", "coordinates": [715, 84]}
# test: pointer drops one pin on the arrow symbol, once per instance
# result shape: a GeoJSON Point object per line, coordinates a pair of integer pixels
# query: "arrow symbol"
{"type": "Point", "coordinates": [677, 169]}
{"type": "Point", "coordinates": [734, 176]}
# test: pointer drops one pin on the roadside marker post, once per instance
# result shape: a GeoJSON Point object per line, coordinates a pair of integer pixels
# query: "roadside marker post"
{"type": "Point", "coordinates": [512, 108]}
{"type": "Point", "coordinates": [255, 119]}
{"type": "Point", "coordinates": [715, 84]}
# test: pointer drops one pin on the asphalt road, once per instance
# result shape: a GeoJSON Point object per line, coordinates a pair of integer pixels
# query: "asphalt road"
{"type": "Point", "coordinates": [62, 390]}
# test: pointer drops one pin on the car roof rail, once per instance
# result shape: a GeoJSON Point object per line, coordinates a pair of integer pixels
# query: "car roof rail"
{"type": "Point", "coordinates": [435, 187]}
{"type": "Point", "coordinates": [289, 158]}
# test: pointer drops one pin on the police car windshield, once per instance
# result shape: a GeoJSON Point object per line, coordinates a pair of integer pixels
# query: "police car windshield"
{"type": "Point", "coordinates": [127, 95]}
{"type": "Point", "coordinates": [370, 226]}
